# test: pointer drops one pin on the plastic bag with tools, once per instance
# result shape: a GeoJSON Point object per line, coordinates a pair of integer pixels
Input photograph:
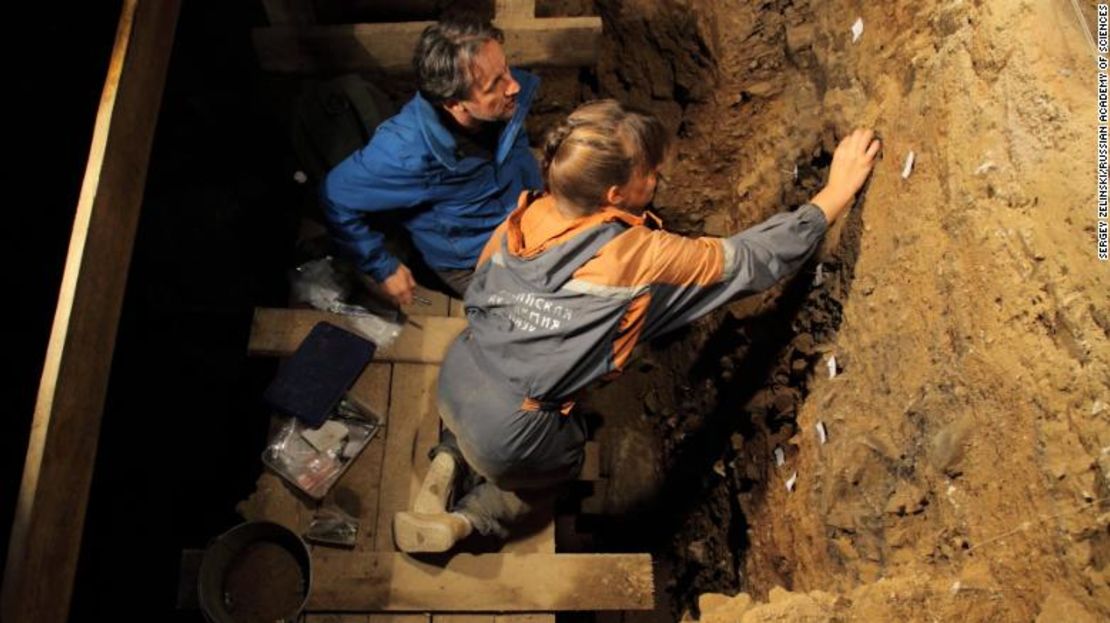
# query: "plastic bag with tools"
{"type": "Point", "coordinates": [333, 526]}
{"type": "Point", "coordinates": [322, 286]}
{"type": "Point", "coordinates": [313, 459]}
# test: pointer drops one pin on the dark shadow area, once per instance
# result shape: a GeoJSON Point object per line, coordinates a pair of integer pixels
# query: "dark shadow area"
{"type": "Point", "coordinates": [56, 92]}
{"type": "Point", "coordinates": [183, 425]}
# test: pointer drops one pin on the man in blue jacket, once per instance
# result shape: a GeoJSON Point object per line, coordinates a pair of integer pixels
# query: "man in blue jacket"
{"type": "Point", "coordinates": [455, 160]}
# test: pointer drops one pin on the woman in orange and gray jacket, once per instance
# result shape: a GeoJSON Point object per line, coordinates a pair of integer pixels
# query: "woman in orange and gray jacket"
{"type": "Point", "coordinates": [569, 284]}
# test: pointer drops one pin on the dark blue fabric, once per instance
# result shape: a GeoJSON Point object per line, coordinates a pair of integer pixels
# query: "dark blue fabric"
{"type": "Point", "coordinates": [453, 204]}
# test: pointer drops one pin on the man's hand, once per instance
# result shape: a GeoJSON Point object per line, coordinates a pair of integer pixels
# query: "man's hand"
{"type": "Point", "coordinates": [399, 286]}
{"type": "Point", "coordinates": [851, 164]}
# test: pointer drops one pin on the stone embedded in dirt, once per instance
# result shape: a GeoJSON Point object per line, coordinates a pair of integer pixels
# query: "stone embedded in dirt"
{"type": "Point", "coordinates": [799, 37]}
{"type": "Point", "coordinates": [1059, 606]}
{"type": "Point", "coordinates": [785, 402]}
{"type": "Point", "coordinates": [707, 602]}
{"type": "Point", "coordinates": [698, 552]}
{"type": "Point", "coordinates": [729, 611]}
{"type": "Point", "coordinates": [946, 449]}
{"type": "Point", "coordinates": [804, 344]}
{"type": "Point", "coordinates": [766, 88]}
{"type": "Point", "coordinates": [908, 499]}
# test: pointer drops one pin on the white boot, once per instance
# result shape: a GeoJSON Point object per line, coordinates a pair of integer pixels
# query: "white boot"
{"type": "Point", "coordinates": [429, 532]}
{"type": "Point", "coordinates": [436, 489]}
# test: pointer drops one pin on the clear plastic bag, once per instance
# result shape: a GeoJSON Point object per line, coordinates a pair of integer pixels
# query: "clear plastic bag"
{"type": "Point", "coordinates": [332, 526]}
{"type": "Point", "coordinates": [315, 468]}
{"type": "Point", "coordinates": [319, 284]}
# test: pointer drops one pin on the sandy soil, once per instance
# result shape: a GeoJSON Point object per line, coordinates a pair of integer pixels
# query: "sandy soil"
{"type": "Point", "coordinates": [966, 475]}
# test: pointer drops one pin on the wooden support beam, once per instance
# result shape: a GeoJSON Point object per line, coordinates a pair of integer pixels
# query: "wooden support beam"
{"type": "Point", "coordinates": [553, 42]}
{"type": "Point", "coordinates": [509, 11]}
{"type": "Point", "coordinates": [380, 581]}
{"type": "Point", "coordinates": [591, 465]}
{"type": "Point", "coordinates": [363, 480]}
{"type": "Point", "coordinates": [50, 511]}
{"type": "Point", "coordinates": [456, 309]}
{"type": "Point", "coordinates": [424, 339]}
{"type": "Point", "coordinates": [411, 430]}
{"type": "Point", "coordinates": [289, 12]}
{"type": "Point", "coordinates": [549, 42]}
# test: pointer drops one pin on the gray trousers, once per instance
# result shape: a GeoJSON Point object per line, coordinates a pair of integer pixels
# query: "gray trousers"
{"type": "Point", "coordinates": [518, 456]}
{"type": "Point", "coordinates": [456, 280]}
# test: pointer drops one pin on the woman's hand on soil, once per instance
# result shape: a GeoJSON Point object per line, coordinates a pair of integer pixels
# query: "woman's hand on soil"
{"type": "Point", "coordinates": [851, 164]}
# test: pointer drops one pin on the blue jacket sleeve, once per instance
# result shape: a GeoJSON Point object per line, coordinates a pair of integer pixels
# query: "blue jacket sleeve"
{"type": "Point", "coordinates": [369, 180]}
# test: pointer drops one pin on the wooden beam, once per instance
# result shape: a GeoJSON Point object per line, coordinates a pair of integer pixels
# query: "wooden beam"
{"type": "Point", "coordinates": [508, 11]}
{"type": "Point", "coordinates": [61, 453]}
{"type": "Point", "coordinates": [412, 428]}
{"type": "Point", "coordinates": [380, 581]}
{"type": "Point", "coordinates": [363, 480]}
{"type": "Point", "coordinates": [424, 339]}
{"type": "Point", "coordinates": [553, 42]}
{"type": "Point", "coordinates": [326, 49]}
{"type": "Point", "coordinates": [289, 12]}
{"type": "Point", "coordinates": [550, 42]}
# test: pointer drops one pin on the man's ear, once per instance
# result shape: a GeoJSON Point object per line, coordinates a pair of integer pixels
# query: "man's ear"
{"type": "Point", "coordinates": [454, 107]}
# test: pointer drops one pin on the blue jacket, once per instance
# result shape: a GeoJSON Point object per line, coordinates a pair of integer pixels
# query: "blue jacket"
{"type": "Point", "coordinates": [453, 205]}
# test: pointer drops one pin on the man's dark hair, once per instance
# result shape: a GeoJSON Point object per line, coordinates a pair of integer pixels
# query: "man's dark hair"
{"type": "Point", "coordinates": [445, 53]}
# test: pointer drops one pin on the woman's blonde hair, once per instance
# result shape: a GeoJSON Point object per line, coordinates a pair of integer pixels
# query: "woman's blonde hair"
{"type": "Point", "coordinates": [600, 145]}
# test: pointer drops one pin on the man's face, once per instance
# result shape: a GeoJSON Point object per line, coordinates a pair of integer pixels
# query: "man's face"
{"type": "Point", "coordinates": [493, 90]}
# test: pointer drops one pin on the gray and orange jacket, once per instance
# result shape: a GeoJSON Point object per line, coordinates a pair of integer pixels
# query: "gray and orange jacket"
{"type": "Point", "coordinates": [557, 303]}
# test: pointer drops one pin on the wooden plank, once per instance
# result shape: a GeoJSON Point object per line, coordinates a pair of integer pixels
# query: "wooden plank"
{"type": "Point", "coordinates": [551, 42]}
{"type": "Point", "coordinates": [411, 431]}
{"type": "Point", "coordinates": [289, 12]}
{"type": "Point", "coordinates": [361, 484]}
{"type": "Point", "coordinates": [424, 339]}
{"type": "Point", "coordinates": [457, 309]}
{"type": "Point", "coordinates": [535, 535]}
{"type": "Point", "coordinates": [275, 500]}
{"type": "Point", "coordinates": [591, 465]}
{"type": "Point", "coordinates": [493, 617]}
{"type": "Point", "coordinates": [346, 582]}
{"type": "Point", "coordinates": [351, 47]}
{"type": "Point", "coordinates": [509, 11]}
{"type": "Point", "coordinates": [332, 617]}
{"type": "Point", "coordinates": [50, 510]}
